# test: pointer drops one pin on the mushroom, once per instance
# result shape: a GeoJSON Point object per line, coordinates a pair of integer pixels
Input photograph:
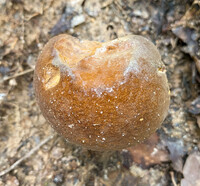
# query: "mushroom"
{"type": "Point", "coordinates": [102, 96]}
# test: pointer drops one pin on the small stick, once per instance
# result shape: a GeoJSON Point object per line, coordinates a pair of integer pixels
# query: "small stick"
{"type": "Point", "coordinates": [17, 75]}
{"type": "Point", "coordinates": [172, 177]}
{"type": "Point", "coordinates": [26, 156]}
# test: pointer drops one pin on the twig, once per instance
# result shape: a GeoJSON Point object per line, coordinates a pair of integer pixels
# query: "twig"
{"type": "Point", "coordinates": [26, 156]}
{"type": "Point", "coordinates": [105, 4]}
{"type": "Point", "coordinates": [172, 177]}
{"type": "Point", "coordinates": [17, 75]}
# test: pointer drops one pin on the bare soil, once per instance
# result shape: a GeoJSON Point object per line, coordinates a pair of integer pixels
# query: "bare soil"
{"type": "Point", "coordinates": [31, 153]}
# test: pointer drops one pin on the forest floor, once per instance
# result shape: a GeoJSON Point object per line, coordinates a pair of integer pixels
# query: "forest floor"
{"type": "Point", "coordinates": [31, 153]}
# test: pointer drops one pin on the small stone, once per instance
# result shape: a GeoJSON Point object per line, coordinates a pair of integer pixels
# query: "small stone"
{"type": "Point", "coordinates": [92, 7]}
{"type": "Point", "coordinates": [191, 171]}
{"type": "Point", "coordinates": [77, 20]}
{"type": "Point", "coordinates": [58, 178]}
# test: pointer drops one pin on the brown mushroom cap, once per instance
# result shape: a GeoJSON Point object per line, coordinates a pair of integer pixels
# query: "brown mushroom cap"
{"type": "Point", "coordinates": [103, 96]}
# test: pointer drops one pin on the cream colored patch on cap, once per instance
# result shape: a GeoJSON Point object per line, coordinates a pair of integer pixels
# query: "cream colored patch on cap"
{"type": "Point", "coordinates": [51, 77]}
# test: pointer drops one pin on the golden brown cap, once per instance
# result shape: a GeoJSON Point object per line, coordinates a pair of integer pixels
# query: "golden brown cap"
{"type": "Point", "coordinates": [103, 96]}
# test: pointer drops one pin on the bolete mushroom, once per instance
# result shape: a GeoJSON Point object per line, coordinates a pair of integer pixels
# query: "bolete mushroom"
{"type": "Point", "coordinates": [102, 96]}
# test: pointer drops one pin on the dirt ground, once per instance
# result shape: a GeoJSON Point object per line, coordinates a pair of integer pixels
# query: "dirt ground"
{"type": "Point", "coordinates": [31, 153]}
